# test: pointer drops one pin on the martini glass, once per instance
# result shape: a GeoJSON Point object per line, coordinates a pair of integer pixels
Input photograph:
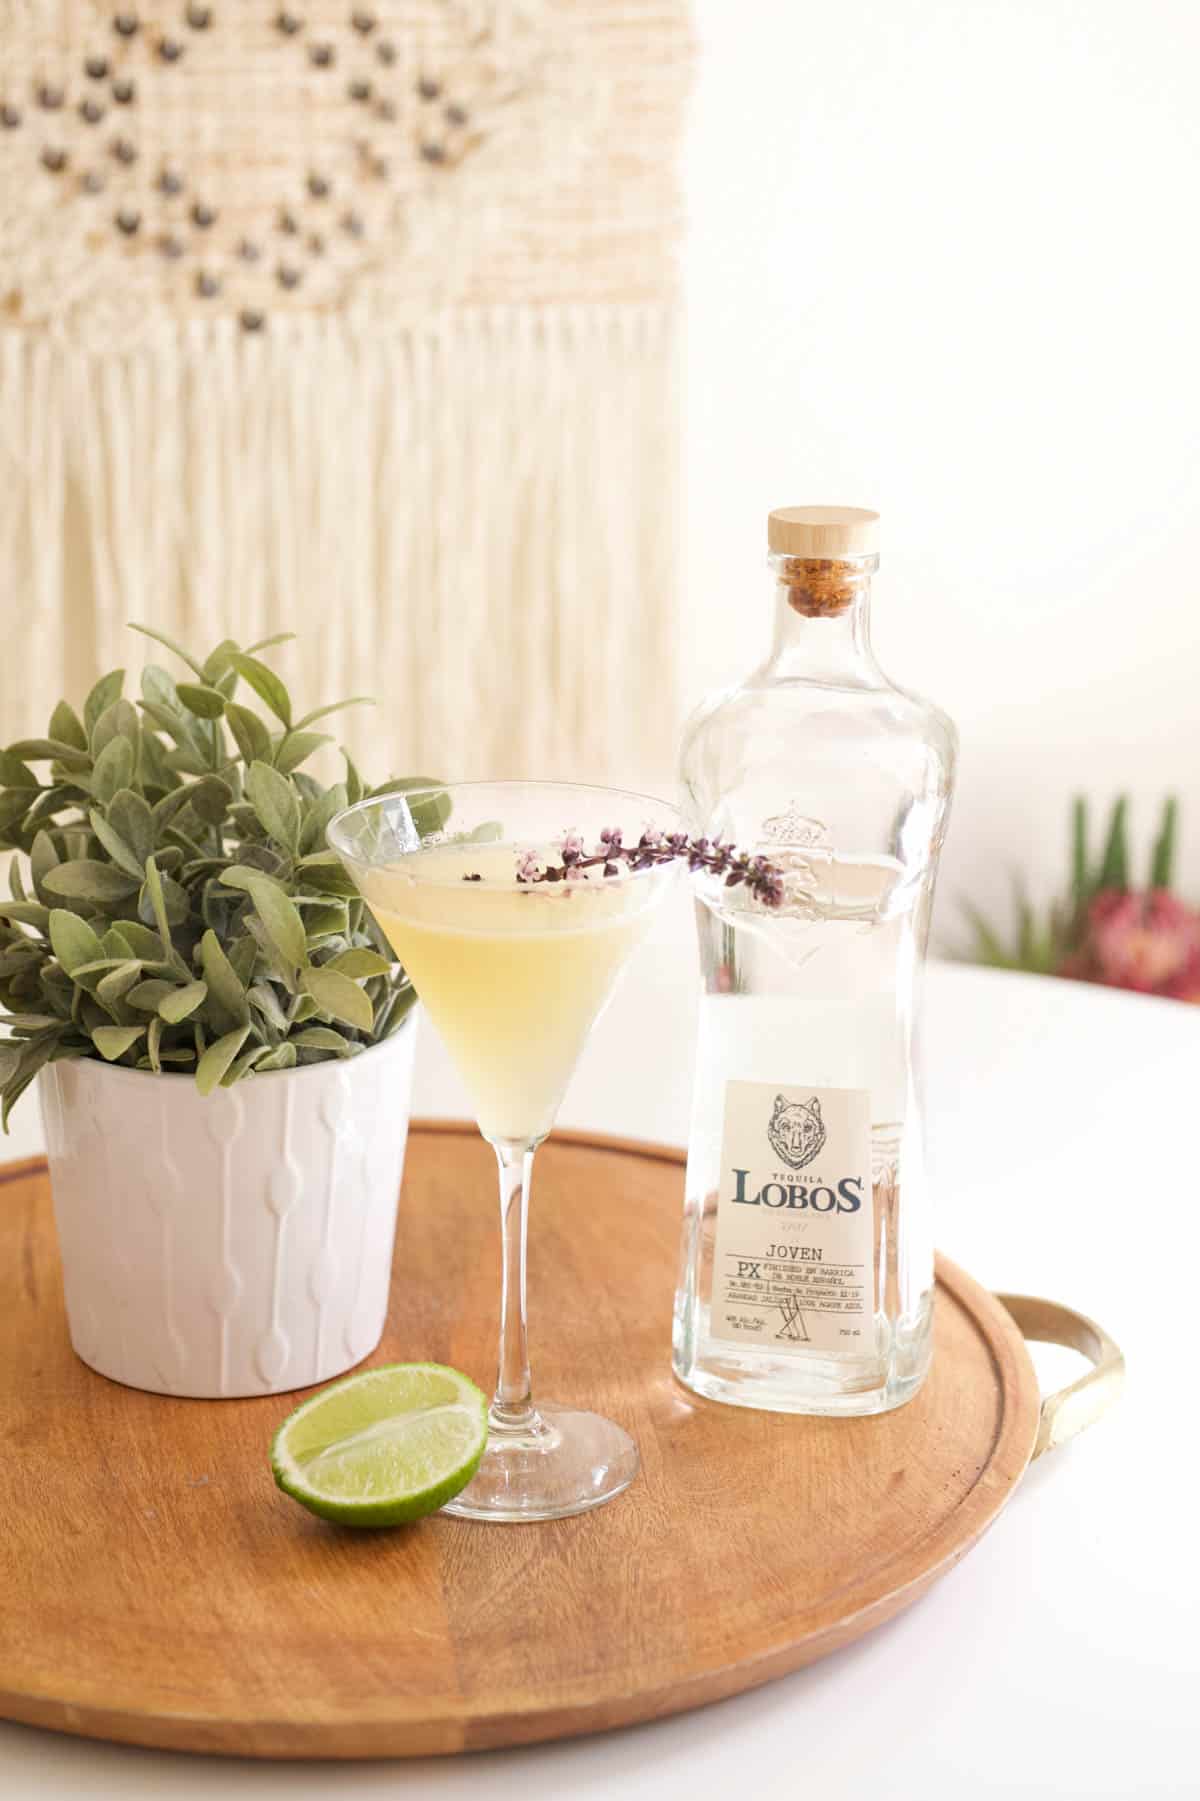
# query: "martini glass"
{"type": "Point", "coordinates": [514, 974]}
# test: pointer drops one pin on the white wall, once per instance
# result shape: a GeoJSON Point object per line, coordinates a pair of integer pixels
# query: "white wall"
{"type": "Point", "coordinates": [943, 261]}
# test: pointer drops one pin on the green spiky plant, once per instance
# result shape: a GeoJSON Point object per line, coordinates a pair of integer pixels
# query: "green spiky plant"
{"type": "Point", "coordinates": [1046, 946]}
{"type": "Point", "coordinates": [174, 905]}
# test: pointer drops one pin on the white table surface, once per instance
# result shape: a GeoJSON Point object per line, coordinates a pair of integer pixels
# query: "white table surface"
{"type": "Point", "coordinates": [1061, 1658]}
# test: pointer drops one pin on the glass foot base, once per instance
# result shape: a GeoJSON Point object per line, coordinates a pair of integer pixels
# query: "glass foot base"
{"type": "Point", "coordinates": [563, 1462]}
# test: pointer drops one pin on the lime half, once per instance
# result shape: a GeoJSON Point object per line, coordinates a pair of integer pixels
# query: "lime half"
{"type": "Point", "coordinates": [383, 1447]}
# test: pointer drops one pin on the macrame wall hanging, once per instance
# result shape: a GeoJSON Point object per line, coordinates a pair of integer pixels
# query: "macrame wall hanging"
{"type": "Point", "coordinates": [357, 320]}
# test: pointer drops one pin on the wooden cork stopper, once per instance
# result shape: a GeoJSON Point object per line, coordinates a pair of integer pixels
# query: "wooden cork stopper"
{"type": "Point", "coordinates": [816, 545]}
{"type": "Point", "coordinates": [823, 531]}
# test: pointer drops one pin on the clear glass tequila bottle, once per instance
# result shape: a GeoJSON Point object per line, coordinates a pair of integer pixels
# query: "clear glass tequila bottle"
{"type": "Point", "coordinates": [806, 1280]}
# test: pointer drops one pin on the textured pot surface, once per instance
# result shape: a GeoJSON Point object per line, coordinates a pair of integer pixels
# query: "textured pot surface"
{"type": "Point", "coordinates": [234, 1245]}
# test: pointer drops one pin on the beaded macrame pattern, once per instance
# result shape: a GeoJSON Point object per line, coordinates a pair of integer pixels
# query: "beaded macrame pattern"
{"type": "Point", "coordinates": [385, 292]}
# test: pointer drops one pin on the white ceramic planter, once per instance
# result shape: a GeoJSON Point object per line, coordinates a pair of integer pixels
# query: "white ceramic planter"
{"type": "Point", "coordinates": [234, 1245]}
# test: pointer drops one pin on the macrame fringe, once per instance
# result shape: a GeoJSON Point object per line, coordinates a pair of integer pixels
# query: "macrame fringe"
{"type": "Point", "coordinates": [473, 519]}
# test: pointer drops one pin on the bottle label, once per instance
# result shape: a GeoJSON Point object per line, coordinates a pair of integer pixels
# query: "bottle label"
{"type": "Point", "coordinates": [793, 1263]}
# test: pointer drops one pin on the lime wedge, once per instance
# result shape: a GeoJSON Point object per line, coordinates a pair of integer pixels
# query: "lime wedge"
{"type": "Point", "coordinates": [382, 1447]}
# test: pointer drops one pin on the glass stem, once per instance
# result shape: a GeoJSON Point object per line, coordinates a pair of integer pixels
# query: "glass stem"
{"type": "Point", "coordinates": [512, 1408]}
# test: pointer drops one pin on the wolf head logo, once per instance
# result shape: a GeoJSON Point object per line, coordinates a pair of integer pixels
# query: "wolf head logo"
{"type": "Point", "coordinates": [796, 1131]}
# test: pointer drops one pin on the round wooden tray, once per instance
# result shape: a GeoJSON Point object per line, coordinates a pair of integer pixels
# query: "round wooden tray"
{"type": "Point", "coordinates": [159, 1590]}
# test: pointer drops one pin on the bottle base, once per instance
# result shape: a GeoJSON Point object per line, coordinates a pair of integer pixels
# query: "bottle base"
{"type": "Point", "coordinates": [822, 1389]}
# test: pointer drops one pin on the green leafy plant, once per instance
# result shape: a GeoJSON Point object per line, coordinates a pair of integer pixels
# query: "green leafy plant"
{"type": "Point", "coordinates": [1066, 938]}
{"type": "Point", "coordinates": [174, 905]}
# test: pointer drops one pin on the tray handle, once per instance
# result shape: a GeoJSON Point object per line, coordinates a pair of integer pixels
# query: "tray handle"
{"type": "Point", "coordinates": [1070, 1409]}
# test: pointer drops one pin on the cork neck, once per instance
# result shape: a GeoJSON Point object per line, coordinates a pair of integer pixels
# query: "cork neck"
{"type": "Point", "coordinates": [822, 620]}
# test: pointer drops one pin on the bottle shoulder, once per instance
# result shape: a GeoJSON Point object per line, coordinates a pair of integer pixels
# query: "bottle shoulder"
{"type": "Point", "coordinates": [856, 759]}
{"type": "Point", "coordinates": [802, 709]}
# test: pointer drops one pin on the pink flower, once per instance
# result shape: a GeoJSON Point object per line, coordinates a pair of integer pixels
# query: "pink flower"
{"type": "Point", "coordinates": [1146, 942]}
{"type": "Point", "coordinates": [527, 867]}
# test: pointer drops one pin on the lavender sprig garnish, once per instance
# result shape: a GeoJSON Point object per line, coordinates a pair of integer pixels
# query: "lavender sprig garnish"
{"type": "Point", "coordinates": [735, 868]}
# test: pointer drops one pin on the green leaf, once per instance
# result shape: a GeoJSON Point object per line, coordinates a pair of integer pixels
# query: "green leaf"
{"type": "Point", "coordinates": [322, 1038]}
{"type": "Point", "coordinates": [143, 942]}
{"type": "Point", "coordinates": [1114, 865]}
{"type": "Point", "coordinates": [158, 687]}
{"type": "Point", "coordinates": [266, 643]}
{"type": "Point", "coordinates": [155, 893]}
{"type": "Point", "coordinates": [180, 727]}
{"type": "Point", "coordinates": [14, 773]}
{"type": "Point", "coordinates": [278, 914]}
{"type": "Point", "coordinates": [282, 1057]}
{"type": "Point", "coordinates": [52, 800]}
{"type": "Point", "coordinates": [117, 983]}
{"type": "Point", "coordinates": [282, 922]}
{"type": "Point", "coordinates": [225, 990]}
{"type": "Point", "coordinates": [120, 720]}
{"type": "Point", "coordinates": [278, 969]}
{"type": "Point", "coordinates": [67, 727]}
{"type": "Point", "coordinates": [218, 1057]}
{"type": "Point", "coordinates": [72, 940]}
{"type": "Point", "coordinates": [210, 799]}
{"type": "Point", "coordinates": [27, 913]}
{"type": "Point", "coordinates": [1026, 927]}
{"type": "Point", "coordinates": [395, 1010]}
{"type": "Point", "coordinates": [113, 1041]}
{"type": "Point", "coordinates": [296, 747]}
{"type": "Point", "coordinates": [274, 801]}
{"type": "Point", "coordinates": [240, 1065]}
{"type": "Point", "coordinates": [177, 1005]}
{"type": "Point", "coordinates": [245, 876]}
{"type": "Point", "coordinates": [171, 805]}
{"type": "Point", "coordinates": [176, 898]}
{"type": "Point", "coordinates": [152, 770]}
{"type": "Point", "coordinates": [130, 816]}
{"type": "Point", "coordinates": [262, 996]}
{"type": "Point", "coordinates": [338, 996]}
{"type": "Point", "coordinates": [220, 660]}
{"type": "Point", "coordinates": [359, 963]}
{"type": "Point", "coordinates": [37, 750]}
{"type": "Point", "coordinates": [205, 702]}
{"type": "Point", "coordinates": [14, 804]}
{"type": "Point", "coordinates": [430, 813]}
{"type": "Point", "coordinates": [113, 770]}
{"type": "Point", "coordinates": [327, 874]}
{"type": "Point", "coordinates": [147, 995]}
{"type": "Point", "coordinates": [43, 857]}
{"type": "Point", "coordinates": [102, 696]}
{"type": "Point", "coordinates": [1162, 865]}
{"type": "Point", "coordinates": [322, 918]}
{"type": "Point", "coordinates": [243, 954]}
{"type": "Point", "coordinates": [186, 762]}
{"type": "Point", "coordinates": [355, 786]}
{"type": "Point", "coordinates": [335, 706]}
{"type": "Point", "coordinates": [267, 686]}
{"type": "Point", "coordinates": [250, 734]}
{"type": "Point", "coordinates": [148, 631]}
{"type": "Point", "coordinates": [318, 814]}
{"type": "Point", "coordinates": [34, 1056]}
{"type": "Point", "coordinates": [87, 880]}
{"type": "Point", "coordinates": [1080, 883]}
{"type": "Point", "coordinates": [153, 1041]}
{"type": "Point", "coordinates": [120, 852]}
